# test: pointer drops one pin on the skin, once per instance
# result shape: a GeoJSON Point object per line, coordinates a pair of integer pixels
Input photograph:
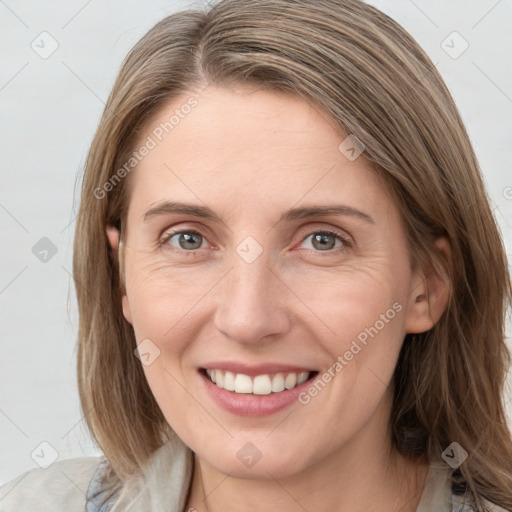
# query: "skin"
{"type": "Point", "coordinates": [249, 155]}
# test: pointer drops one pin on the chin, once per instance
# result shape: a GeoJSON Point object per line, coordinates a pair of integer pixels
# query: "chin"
{"type": "Point", "coordinates": [248, 462]}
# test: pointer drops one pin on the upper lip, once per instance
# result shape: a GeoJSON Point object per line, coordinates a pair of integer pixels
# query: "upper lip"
{"type": "Point", "coordinates": [252, 370]}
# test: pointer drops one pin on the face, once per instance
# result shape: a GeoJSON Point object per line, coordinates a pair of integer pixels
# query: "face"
{"type": "Point", "coordinates": [259, 255]}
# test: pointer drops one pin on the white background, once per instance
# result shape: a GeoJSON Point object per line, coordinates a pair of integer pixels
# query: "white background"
{"type": "Point", "coordinates": [49, 111]}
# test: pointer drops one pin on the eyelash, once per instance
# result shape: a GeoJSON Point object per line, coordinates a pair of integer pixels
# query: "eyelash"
{"type": "Point", "coordinates": [347, 244]}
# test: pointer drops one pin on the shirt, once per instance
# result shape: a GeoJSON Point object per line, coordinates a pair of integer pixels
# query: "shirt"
{"type": "Point", "coordinates": [75, 485]}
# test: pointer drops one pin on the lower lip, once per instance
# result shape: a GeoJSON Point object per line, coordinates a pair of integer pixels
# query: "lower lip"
{"type": "Point", "coordinates": [244, 404]}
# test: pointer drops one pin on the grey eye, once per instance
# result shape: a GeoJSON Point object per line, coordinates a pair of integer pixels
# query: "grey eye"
{"type": "Point", "coordinates": [187, 240]}
{"type": "Point", "coordinates": [323, 241]}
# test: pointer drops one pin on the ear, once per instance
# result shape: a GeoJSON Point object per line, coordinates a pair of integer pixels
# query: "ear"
{"type": "Point", "coordinates": [113, 238]}
{"type": "Point", "coordinates": [430, 293]}
{"type": "Point", "coordinates": [115, 245]}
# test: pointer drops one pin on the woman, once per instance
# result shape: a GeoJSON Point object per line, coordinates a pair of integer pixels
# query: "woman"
{"type": "Point", "coordinates": [292, 291]}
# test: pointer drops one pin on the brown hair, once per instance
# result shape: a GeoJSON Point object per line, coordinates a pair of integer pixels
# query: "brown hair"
{"type": "Point", "coordinates": [377, 84]}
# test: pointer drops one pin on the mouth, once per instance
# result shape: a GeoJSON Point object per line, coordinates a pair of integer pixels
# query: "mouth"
{"type": "Point", "coordinates": [262, 384]}
{"type": "Point", "coordinates": [254, 389]}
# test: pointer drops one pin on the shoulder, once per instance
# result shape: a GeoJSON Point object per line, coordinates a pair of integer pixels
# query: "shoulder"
{"type": "Point", "coordinates": [467, 504]}
{"type": "Point", "coordinates": [62, 486]}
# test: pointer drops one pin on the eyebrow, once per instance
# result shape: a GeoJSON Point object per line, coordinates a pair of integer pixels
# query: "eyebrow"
{"type": "Point", "coordinates": [320, 211]}
{"type": "Point", "coordinates": [169, 207]}
{"type": "Point", "coordinates": [204, 212]}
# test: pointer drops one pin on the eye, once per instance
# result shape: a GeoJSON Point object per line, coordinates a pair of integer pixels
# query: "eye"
{"type": "Point", "coordinates": [187, 240]}
{"type": "Point", "coordinates": [325, 241]}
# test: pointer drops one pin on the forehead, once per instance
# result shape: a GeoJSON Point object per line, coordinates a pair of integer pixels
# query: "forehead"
{"type": "Point", "coordinates": [249, 145]}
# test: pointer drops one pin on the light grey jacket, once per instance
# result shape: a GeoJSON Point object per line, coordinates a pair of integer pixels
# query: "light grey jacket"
{"type": "Point", "coordinates": [75, 485]}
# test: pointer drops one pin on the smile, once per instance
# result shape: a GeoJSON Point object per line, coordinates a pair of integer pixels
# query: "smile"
{"type": "Point", "coordinates": [264, 384]}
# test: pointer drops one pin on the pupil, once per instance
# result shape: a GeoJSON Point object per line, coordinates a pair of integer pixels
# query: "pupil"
{"type": "Point", "coordinates": [186, 240]}
{"type": "Point", "coordinates": [323, 241]}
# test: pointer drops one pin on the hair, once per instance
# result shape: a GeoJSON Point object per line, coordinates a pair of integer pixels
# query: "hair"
{"type": "Point", "coordinates": [374, 80]}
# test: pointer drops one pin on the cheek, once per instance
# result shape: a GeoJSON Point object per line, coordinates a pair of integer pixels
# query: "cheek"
{"type": "Point", "coordinates": [169, 387]}
{"type": "Point", "coordinates": [163, 299]}
{"type": "Point", "coordinates": [364, 309]}
{"type": "Point", "coordinates": [358, 303]}
{"type": "Point", "coordinates": [163, 312]}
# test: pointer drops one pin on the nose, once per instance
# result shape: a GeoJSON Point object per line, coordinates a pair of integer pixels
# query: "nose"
{"type": "Point", "coordinates": [252, 298]}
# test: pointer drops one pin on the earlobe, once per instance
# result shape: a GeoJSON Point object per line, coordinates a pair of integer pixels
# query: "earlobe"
{"type": "Point", "coordinates": [126, 309]}
{"type": "Point", "coordinates": [430, 294]}
{"type": "Point", "coordinates": [113, 237]}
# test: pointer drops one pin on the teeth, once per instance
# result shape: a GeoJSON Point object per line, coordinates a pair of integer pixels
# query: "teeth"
{"type": "Point", "coordinates": [262, 385]}
{"type": "Point", "coordinates": [259, 385]}
{"type": "Point", "coordinates": [243, 383]}
{"type": "Point", "coordinates": [303, 377]}
{"type": "Point", "coordinates": [291, 381]}
{"type": "Point", "coordinates": [229, 381]}
{"type": "Point", "coordinates": [211, 374]}
{"type": "Point", "coordinates": [278, 383]}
